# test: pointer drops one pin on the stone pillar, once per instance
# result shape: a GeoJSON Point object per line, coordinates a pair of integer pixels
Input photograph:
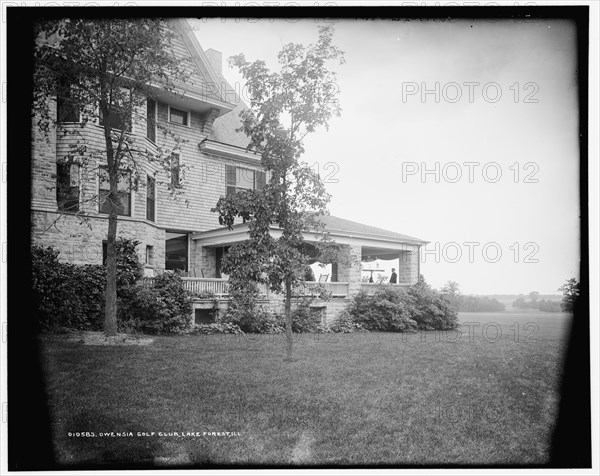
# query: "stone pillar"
{"type": "Point", "coordinates": [409, 266]}
{"type": "Point", "coordinates": [352, 273]}
{"type": "Point", "coordinates": [207, 260]}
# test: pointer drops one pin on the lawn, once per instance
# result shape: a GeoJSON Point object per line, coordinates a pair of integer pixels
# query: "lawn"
{"type": "Point", "coordinates": [471, 396]}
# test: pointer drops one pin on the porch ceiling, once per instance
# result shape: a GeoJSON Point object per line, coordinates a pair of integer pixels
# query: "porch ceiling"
{"type": "Point", "coordinates": [370, 253]}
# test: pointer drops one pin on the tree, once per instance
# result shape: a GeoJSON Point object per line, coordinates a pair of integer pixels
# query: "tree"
{"type": "Point", "coordinates": [451, 291]}
{"type": "Point", "coordinates": [285, 107]}
{"type": "Point", "coordinates": [571, 291]}
{"type": "Point", "coordinates": [100, 71]}
{"type": "Point", "coordinates": [533, 295]}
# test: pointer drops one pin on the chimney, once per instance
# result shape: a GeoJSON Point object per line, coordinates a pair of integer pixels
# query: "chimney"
{"type": "Point", "coordinates": [215, 58]}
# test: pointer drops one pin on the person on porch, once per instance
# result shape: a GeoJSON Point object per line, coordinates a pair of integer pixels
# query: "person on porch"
{"type": "Point", "coordinates": [393, 277]}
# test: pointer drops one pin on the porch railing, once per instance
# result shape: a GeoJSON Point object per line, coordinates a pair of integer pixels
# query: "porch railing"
{"type": "Point", "coordinates": [313, 288]}
{"type": "Point", "coordinates": [220, 287]}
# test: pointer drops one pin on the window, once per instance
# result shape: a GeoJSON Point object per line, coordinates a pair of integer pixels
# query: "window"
{"type": "Point", "coordinates": [123, 198]}
{"type": "Point", "coordinates": [149, 255]}
{"type": "Point", "coordinates": [176, 251]}
{"type": "Point", "coordinates": [67, 187]}
{"type": "Point", "coordinates": [177, 116]}
{"type": "Point", "coordinates": [175, 180]}
{"type": "Point", "coordinates": [120, 115]}
{"type": "Point", "coordinates": [237, 179]}
{"type": "Point", "coordinates": [150, 199]}
{"type": "Point", "coordinates": [151, 119]}
{"type": "Point", "coordinates": [67, 105]}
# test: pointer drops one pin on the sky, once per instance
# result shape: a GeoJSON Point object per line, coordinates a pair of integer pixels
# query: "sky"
{"type": "Point", "coordinates": [462, 133]}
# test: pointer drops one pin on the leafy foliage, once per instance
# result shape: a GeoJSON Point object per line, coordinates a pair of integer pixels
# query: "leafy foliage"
{"type": "Point", "coordinates": [480, 304]}
{"type": "Point", "coordinates": [285, 107]}
{"type": "Point", "coordinates": [464, 303]}
{"type": "Point", "coordinates": [347, 324]}
{"type": "Point", "coordinates": [571, 291]}
{"type": "Point", "coordinates": [164, 307]}
{"type": "Point", "coordinates": [244, 312]}
{"type": "Point", "coordinates": [103, 70]}
{"type": "Point", "coordinates": [304, 318]}
{"type": "Point", "coordinates": [388, 310]}
{"type": "Point", "coordinates": [542, 304]}
{"type": "Point", "coordinates": [392, 309]}
{"type": "Point", "coordinates": [72, 296]}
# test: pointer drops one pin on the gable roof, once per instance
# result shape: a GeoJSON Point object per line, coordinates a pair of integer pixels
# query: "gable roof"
{"type": "Point", "coordinates": [211, 85]}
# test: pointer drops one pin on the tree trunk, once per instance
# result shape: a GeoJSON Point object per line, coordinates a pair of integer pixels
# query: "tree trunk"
{"type": "Point", "coordinates": [288, 319]}
{"type": "Point", "coordinates": [110, 311]}
{"type": "Point", "coordinates": [110, 292]}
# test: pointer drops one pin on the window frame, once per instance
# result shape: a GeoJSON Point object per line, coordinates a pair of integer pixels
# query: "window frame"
{"type": "Point", "coordinates": [175, 170]}
{"type": "Point", "coordinates": [149, 256]}
{"type": "Point", "coordinates": [129, 192]}
{"type": "Point", "coordinates": [235, 187]}
{"type": "Point", "coordinates": [154, 119]}
{"type": "Point", "coordinates": [70, 86]}
{"type": "Point", "coordinates": [150, 179]}
{"type": "Point", "coordinates": [59, 205]}
{"type": "Point", "coordinates": [130, 123]}
{"type": "Point", "coordinates": [186, 111]}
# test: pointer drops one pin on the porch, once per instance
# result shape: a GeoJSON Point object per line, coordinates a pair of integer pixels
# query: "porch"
{"type": "Point", "coordinates": [391, 259]}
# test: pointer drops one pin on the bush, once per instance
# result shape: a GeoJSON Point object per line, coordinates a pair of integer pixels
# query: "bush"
{"type": "Point", "coordinates": [346, 324]}
{"type": "Point", "coordinates": [244, 312]}
{"type": "Point", "coordinates": [72, 296]}
{"type": "Point", "coordinates": [432, 310]}
{"type": "Point", "coordinates": [256, 321]}
{"type": "Point", "coordinates": [303, 318]}
{"type": "Point", "coordinates": [388, 310]}
{"type": "Point", "coordinates": [164, 307]}
{"type": "Point", "coordinates": [392, 309]}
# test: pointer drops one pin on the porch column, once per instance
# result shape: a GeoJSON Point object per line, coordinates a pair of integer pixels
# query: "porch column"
{"type": "Point", "coordinates": [409, 266]}
{"type": "Point", "coordinates": [351, 274]}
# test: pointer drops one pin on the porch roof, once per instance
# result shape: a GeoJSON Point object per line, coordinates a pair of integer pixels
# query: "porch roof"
{"type": "Point", "coordinates": [373, 240]}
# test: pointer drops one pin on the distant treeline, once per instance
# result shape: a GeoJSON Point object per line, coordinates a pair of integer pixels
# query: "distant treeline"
{"type": "Point", "coordinates": [542, 304]}
{"type": "Point", "coordinates": [479, 304]}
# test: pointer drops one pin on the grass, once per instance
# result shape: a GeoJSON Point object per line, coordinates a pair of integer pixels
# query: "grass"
{"type": "Point", "coordinates": [350, 399]}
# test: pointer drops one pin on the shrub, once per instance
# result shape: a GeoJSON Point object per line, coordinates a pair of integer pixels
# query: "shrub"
{"type": "Point", "coordinates": [303, 317]}
{"type": "Point", "coordinates": [72, 296]}
{"type": "Point", "coordinates": [388, 310]}
{"type": "Point", "coordinates": [256, 321]}
{"type": "Point", "coordinates": [164, 307]}
{"type": "Point", "coordinates": [346, 324]}
{"type": "Point", "coordinates": [392, 309]}
{"type": "Point", "coordinates": [244, 312]}
{"type": "Point", "coordinates": [432, 310]}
